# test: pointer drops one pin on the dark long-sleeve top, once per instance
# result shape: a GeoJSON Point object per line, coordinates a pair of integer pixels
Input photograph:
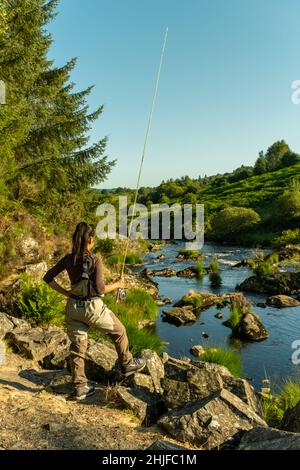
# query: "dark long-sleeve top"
{"type": "Point", "coordinates": [75, 272]}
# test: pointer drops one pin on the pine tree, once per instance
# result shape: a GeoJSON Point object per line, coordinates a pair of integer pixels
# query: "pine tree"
{"type": "Point", "coordinates": [44, 126]}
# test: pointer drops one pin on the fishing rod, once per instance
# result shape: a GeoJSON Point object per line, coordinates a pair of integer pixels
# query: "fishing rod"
{"type": "Point", "coordinates": [121, 292]}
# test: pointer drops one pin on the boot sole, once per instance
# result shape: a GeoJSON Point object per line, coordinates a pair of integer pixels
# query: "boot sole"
{"type": "Point", "coordinates": [127, 374]}
{"type": "Point", "coordinates": [83, 397]}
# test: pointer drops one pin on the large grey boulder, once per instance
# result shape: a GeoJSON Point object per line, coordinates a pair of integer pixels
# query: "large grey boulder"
{"type": "Point", "coordinates": [154, 368]}
{"type": "Point", "coordinates": [36, 270]}
{"type": "Point", "coordinates": [211, 422]}
{"type": "Point", "coordinates": [278, 283]}
{"type": "Point", "coordinates": [101, 361]}
{"type": "Point", "coordinates": [180, 315]}
{"type": "Point", "coordinates": [251, 328]}
{"type": "Point", "coordinates": [185, 382]}
{"type": "Point", "coordinates": [261, 438]}
{"type": "Point", "coordinates": [28, 248]}
{"type": "Point", "coordinates": [6, 325]}
{"type": "Point", "coordinates": [242, 389]}
{"type": "Point", "coordinates": [37, 343]}
{"type": "Point", "coordinates": [291, 419]}
{"type": "Point", "coordinates": [282, 301]}
{"type": "Point", "coordinates": [146, 406]}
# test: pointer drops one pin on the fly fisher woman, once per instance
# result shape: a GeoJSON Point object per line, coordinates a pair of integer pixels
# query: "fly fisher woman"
{"type": "Point", "coordinates": [85, 308]}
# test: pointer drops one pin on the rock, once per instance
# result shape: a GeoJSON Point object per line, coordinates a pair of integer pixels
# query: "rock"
{"type": "Point", "coordinates": [200, 300]}
{"type": "Point", "coordinates": [165, 445]}
{"type": "Point", "coordinates": [154, 368]}
{"type": "Point", "coordinates": [167, 300]}
{"type": "Point", "coordinates": [147, 407]}
{"type": "Point", "coordinates": [57, 360]}
{"type": "Point", "coordinates": [37, 343]}
{"type": "Point", "coordinates": [100, 362]}
{"type": "Point", "coordinates": [212, 368]}
{"type": "Point", "coordinates": [36, 270]}
{"type": "Point", "coordinates": [5, 325]}
{"type": "Point", "coordinates": [164, 357]}
{"type": "Point", "coordinates": [28, 248]}
{"type": "Point", "coordinates": [204, 335]}
{"type": "Point", "coordinates": [251, 328]}
{"type": "Point", "coordinates": [261, 438]}
{"type": "Point", "coordinates": [2, 353]}
{"type": "Point", "coordinates": [282, 301]}
{"type": "Point", "coordinates": [184, 382]}
{"type": "Point", "coordinates": [291, 419]}
{"type": "Point", "coordinates": [211, 421]}
{"type": "Point", "coordinates": [278, 283]}
{"type": "Point", "coordinates": [261, 305]}
{"type": "Point", "coordinates": [146, 324]}
{"type": "Point", "coordinates": [242, 389]}
{"type": "Point", "coordinates": [154, 247]}
{"type": "Point", "coordinates": [139, 380]}
{"type": "Point", "coordinates": [161, 257]}
{"type": "Point", "coordinates": [187, 272]}
{"type": "Point", "coordinates": [219, 315]}
{"type": "Point", "coordinates": [197, 350]}
{"type": "Point", "coordinates": [180, 315]}
{"type": "Point", "coordinates": [161, 272]}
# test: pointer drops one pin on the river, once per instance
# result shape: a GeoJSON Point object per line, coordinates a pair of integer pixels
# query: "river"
{"type": "Point", "coordinates": [271, 357]}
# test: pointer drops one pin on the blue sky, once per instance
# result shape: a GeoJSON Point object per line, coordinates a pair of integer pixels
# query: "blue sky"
{"type": "Point", "coordinates": [225, 90]}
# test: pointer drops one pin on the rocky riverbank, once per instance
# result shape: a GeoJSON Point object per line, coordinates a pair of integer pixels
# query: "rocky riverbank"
{"type": "Point", "coordinates": [193, 402]}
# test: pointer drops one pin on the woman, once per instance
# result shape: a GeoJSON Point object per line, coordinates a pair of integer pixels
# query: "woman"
{"type": "Point", "coordinates": [85, 308]}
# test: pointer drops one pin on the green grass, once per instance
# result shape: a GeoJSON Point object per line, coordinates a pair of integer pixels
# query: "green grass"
{"type": "Point", "coordinates": [236, 315]}
{"type": "Point", "coordinates": [268, 266]}
{"type": "Point", "coordinates": [225, 357]}
{"type": "Point", "coordinates": [192, 298]}
{"type": "Point", "coordinates": [275, 406]}
{"type": "Point", "coordinates": [138, 305]}
{"type": "Point", "coordinates": [115, 260]}
{"type": "Point", "coordinates": [199, 269]}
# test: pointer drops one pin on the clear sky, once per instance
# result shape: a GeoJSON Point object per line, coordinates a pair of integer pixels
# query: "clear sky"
{"type": "Point", "coordinates": [225, 90]}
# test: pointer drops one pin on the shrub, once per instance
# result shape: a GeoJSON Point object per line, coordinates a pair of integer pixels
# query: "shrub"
{"type": "Point", "coordinates": [105, 247]}
{"type": "Point", "coordinates": [275, 406]}
{"type": "Point", "coordinates": [199, 269]}
{"type": "Point", "coordinates": [215, 279]}
{"type": "Point", "coordinates": [40, 303]}
{"type": "Point", "coordinates": [191, 298]}
{"type": "Point", "coordinates": [268, 266]}
{"type": "Point", "coordinates": [225, 357]}
{"type": "Point", "coordinates": [131, 259]}
{"type": "Point", "coordinates": [214, 264]}
{"type": "Point", "coordinates": [287, 207]}
{"type": "Point", "coordinates": [232, 221]}
{"type": "Point", "coordinates": [288, 237]}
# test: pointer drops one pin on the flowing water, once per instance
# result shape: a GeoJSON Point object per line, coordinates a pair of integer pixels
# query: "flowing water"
{"type": "Point", "coordinates": [271, 357]}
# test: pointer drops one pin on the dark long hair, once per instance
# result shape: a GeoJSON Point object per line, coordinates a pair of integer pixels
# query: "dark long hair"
{"type": "Point", "coordinates": [80, 239]}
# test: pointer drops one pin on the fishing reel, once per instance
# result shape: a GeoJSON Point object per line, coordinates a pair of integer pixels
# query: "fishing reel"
{"type": "Point", "coordinates": [121, 295]}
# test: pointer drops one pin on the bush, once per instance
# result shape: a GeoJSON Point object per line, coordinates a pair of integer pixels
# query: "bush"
{"type": "Point", "coordinates": [40, 303]}
{"type": "Point", "coordinates": [268, 266]}
{"type": "Point", "coordinates": [215, 279]}
{"type": "Point", "coordinates": [288, 237]}
{"type": "Point", "coordinates": [287, 207]}
{"type": "Point", "coordinates": [199, 269]}
{"type": "Point", "coordinates": [232, 221]}
{"type": "Point", "coordinates": [225, 357]}
{"type": "Point", "coordinates": [105, 247]}
{"type": "Point", "coordinates": [214, 264]}
{"type": "Point", "coordinates": [275, 406]}
{"type": "Point", "coordinates": [236, 314]}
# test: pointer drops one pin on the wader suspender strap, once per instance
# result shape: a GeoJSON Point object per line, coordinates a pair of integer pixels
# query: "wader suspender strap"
{"type": "Point", "coordinates": [86, 273]}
